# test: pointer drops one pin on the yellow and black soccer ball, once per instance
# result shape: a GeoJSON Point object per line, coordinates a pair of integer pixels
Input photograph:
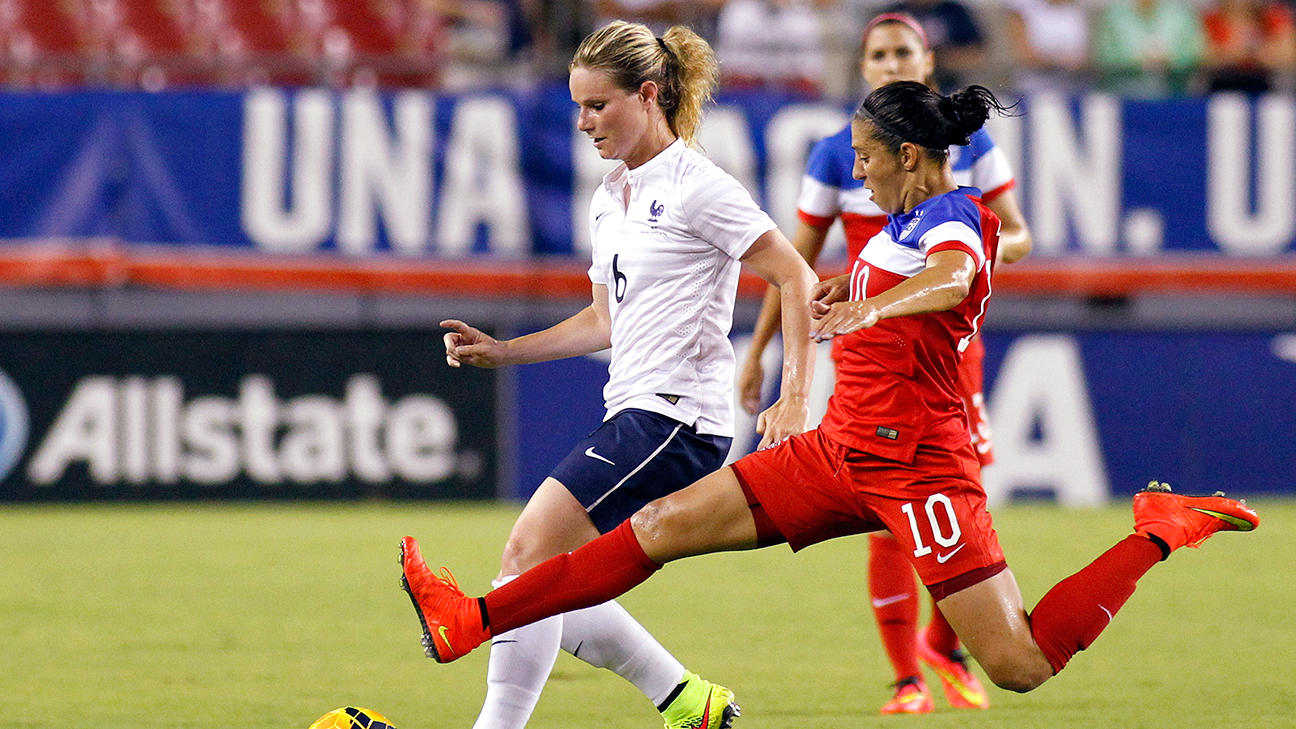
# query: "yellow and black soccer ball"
{"type": "Point", "coordinates": [352, 717]}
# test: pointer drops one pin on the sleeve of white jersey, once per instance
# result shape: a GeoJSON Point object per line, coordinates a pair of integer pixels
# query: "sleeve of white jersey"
{"type": "Point", "coordinates": [597, 270]}
{"type": "Point", "coordinates": [818, 200]}
{"type": "Point", "coordinates": [721, 212]}
{"type": "Point", "coordinates": [991, 174]}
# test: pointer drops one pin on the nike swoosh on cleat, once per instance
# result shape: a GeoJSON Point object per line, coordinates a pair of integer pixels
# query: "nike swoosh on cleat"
{"type": "Point", "coordinates": [590, 452]}
{"type": "Point", "coordinates": [441, 631]}
{"type": "Point", "coordinates": [881, 602]}
{"type": "Point", "coordinates": [943, 558]}
{"type": "Point", "coordinates": [706, 714]}
{"type": "Point", "coordinates": [1242, 524]}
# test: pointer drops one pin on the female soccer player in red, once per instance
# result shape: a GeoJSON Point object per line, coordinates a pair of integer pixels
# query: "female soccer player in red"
{"type": "Point", "coordinates": [895, 48]}
{"type": "Point", "coordinates": [891, 453]}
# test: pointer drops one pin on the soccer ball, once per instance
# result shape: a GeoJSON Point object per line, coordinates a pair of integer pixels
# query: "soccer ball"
{"type": "Point", "coordinates": [352, 717]}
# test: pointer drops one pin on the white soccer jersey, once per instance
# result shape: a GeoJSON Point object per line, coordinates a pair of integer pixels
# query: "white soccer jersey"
{"type": "Point", "coordinates": [669, 256]}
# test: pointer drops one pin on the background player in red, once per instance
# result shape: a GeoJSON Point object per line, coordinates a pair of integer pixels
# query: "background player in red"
{"type": "Point", "coordinates": [892, 452]}
{"type": "Point", "coordinates": [895, 48]}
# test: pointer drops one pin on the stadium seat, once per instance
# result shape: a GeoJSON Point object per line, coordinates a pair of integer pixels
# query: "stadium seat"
{"type": "Point", "coordinates": [39, 43]}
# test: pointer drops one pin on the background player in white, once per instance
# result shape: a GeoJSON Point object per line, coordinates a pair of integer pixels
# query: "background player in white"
{"type": "Point", "coordinates": [895, 48]}
{"type": "Point", "coordinates": [669, 229]}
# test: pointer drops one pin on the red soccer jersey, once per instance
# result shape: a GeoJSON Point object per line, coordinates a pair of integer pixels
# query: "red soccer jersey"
{"type": "Point", "coordinates": [897, 382]}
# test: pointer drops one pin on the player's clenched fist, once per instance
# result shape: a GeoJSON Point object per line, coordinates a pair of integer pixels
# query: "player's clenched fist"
{"type": "Point", "coordinates": [466, 344]}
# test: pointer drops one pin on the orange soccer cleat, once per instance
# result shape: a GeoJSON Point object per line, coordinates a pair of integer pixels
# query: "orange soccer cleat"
{"type": "Point", "coordinates": [911, 697]}
{"type": "Point", "coordinates": [1187, 521]}
{"type": "Point", "coordinates": [962, 689]}
{"type": "Point", "coordinates": [452, 621]}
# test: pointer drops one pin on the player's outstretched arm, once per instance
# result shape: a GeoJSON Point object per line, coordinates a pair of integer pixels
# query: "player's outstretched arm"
{"type": "Point", "coordinates": [940, 286]}
{"type": "Point", "coordinates": [775, 260]}
{"type": "Point", "coordinates": [589, 330]}
{"type": "Point", "coordinates": [809, 242]}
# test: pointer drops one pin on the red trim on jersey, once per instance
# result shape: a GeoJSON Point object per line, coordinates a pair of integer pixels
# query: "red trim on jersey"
{"type": "Point", "coordinates": [988, 195]}
{"type": "Point", "coordinates": [815, 221]}
{"type": "Point", "coordinates": [953, 245]}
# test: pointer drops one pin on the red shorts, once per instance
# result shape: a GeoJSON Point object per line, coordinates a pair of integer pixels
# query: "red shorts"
{"type": "Point", "coordinates": [809, 489]}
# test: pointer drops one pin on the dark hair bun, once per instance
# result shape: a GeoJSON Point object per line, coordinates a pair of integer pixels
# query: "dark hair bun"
{"type": "Point", "coordinates": [908, 111]}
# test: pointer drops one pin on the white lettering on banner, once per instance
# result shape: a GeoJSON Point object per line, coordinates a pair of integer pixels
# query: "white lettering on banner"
{"type": "Point", "coordinates": [139, 430]}
{"type": "Point", "coordinates": [1071, 182]}
{"type": "Point", "coordinates": [1230, 219]}
{"type": "Point", "coordinates": [1041, 390]}
{"type": "Point", "coordinates": [379, 172]}
{"type": "Point", "coordinates": [788, 139]}
{"type": "Point", "coordinates": [277, 219]}
{"type": "Point", "coordinates": [483, 179]}
{"type": "Point", "coordinates": [376, 168]}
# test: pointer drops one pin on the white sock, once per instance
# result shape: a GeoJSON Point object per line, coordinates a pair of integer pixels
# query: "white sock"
{"type": "Point", "coordinates": [520, 663]}
{"type": "Point", "coordinates": [607, 637]}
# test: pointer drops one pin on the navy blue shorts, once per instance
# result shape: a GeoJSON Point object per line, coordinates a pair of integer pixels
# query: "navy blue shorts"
{"type": "Point", "coordinates": [634, 458]}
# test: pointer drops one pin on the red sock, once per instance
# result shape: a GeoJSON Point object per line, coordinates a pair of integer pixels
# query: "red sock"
{"type": "Point", "coordinates": [1069, 618]}
{"type": "Point", "coordinates": [939, 635]}
{"type": "Point", "coordinates": [597, 572]}
{"type": "Point", "coordinates": [893, 593]}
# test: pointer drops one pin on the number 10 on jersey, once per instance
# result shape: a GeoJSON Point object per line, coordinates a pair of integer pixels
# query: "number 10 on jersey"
{"type": "Point", "coordinates": [938, 531]}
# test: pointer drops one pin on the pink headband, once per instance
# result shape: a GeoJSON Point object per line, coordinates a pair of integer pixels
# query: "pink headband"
{"type": "Point", "coordinates": [904, 19]}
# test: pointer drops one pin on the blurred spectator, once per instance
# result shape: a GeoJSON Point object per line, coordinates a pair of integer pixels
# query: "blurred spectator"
{"type": "Point", "coordinates": [1049, 44]}
{"type": "Point", "coordinates": [1250, 45]}
{"type": "Point", "coordinates": [772, 45]}
{"type": "Point", "coordinates": [699, 15]}
{"type": "Point", "coordinates": [480, 42]}
{"type": "Point", "coordinates": [1148, 48]}
{"type": "Point", "coordinates": [559, 27]}
{"type": "Point", "coordinates": [955, 36]}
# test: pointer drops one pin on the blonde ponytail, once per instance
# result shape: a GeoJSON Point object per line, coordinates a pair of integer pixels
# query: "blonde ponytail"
{"type": "Point", "coordinates": [681, 63]}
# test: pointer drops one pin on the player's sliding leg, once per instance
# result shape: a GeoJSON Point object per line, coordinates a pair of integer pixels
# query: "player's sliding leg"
{"type": "Point", "coordinates": [520, 663]}
{"type": "Point", "coordinates": [1066, 622]}
{"type": "Point", "coordinates": [552, 522]}
{"type": "Point", "coordinates": [606, 636]}
{"type": "Point", "coordinates": [711, 515]}
{"type": "Point", "coordinates": [893, 594]}
{"type": "Point", "coordinates": [1020, 652]}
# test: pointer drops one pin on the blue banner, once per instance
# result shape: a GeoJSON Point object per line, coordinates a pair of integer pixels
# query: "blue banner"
{"type": "Point", "coordinates": [1200, 410]}
{"type": "Point", "coordinates": [422, 175]}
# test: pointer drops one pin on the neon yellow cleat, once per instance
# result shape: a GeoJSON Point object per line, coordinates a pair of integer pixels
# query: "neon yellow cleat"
{"type": "Point", "coordinates": [962, 689]}
{"type": "Point", "coordinates": [911, 697]}
{"type": "Point", "coordinates": [701, 705]}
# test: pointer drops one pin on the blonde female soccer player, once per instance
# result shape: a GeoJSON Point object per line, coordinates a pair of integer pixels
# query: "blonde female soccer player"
{"type": "Point", "coordinates": [670, 231]}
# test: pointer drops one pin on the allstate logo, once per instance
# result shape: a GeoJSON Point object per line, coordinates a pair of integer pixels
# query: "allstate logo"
{"type": "Point", "coordinates": [13, 425]}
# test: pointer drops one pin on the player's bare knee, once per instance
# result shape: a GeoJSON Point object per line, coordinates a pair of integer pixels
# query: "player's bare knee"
{"type": "Point", "coordinates": [1016, 675]}
{"type": "Point", "coordinates": [520, 555]}
{"type": "Point", "coordinates": [648, 521]}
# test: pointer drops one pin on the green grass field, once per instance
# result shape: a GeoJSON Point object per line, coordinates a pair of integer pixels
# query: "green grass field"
{"type": "Point", "coordinates": [266, 616]}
